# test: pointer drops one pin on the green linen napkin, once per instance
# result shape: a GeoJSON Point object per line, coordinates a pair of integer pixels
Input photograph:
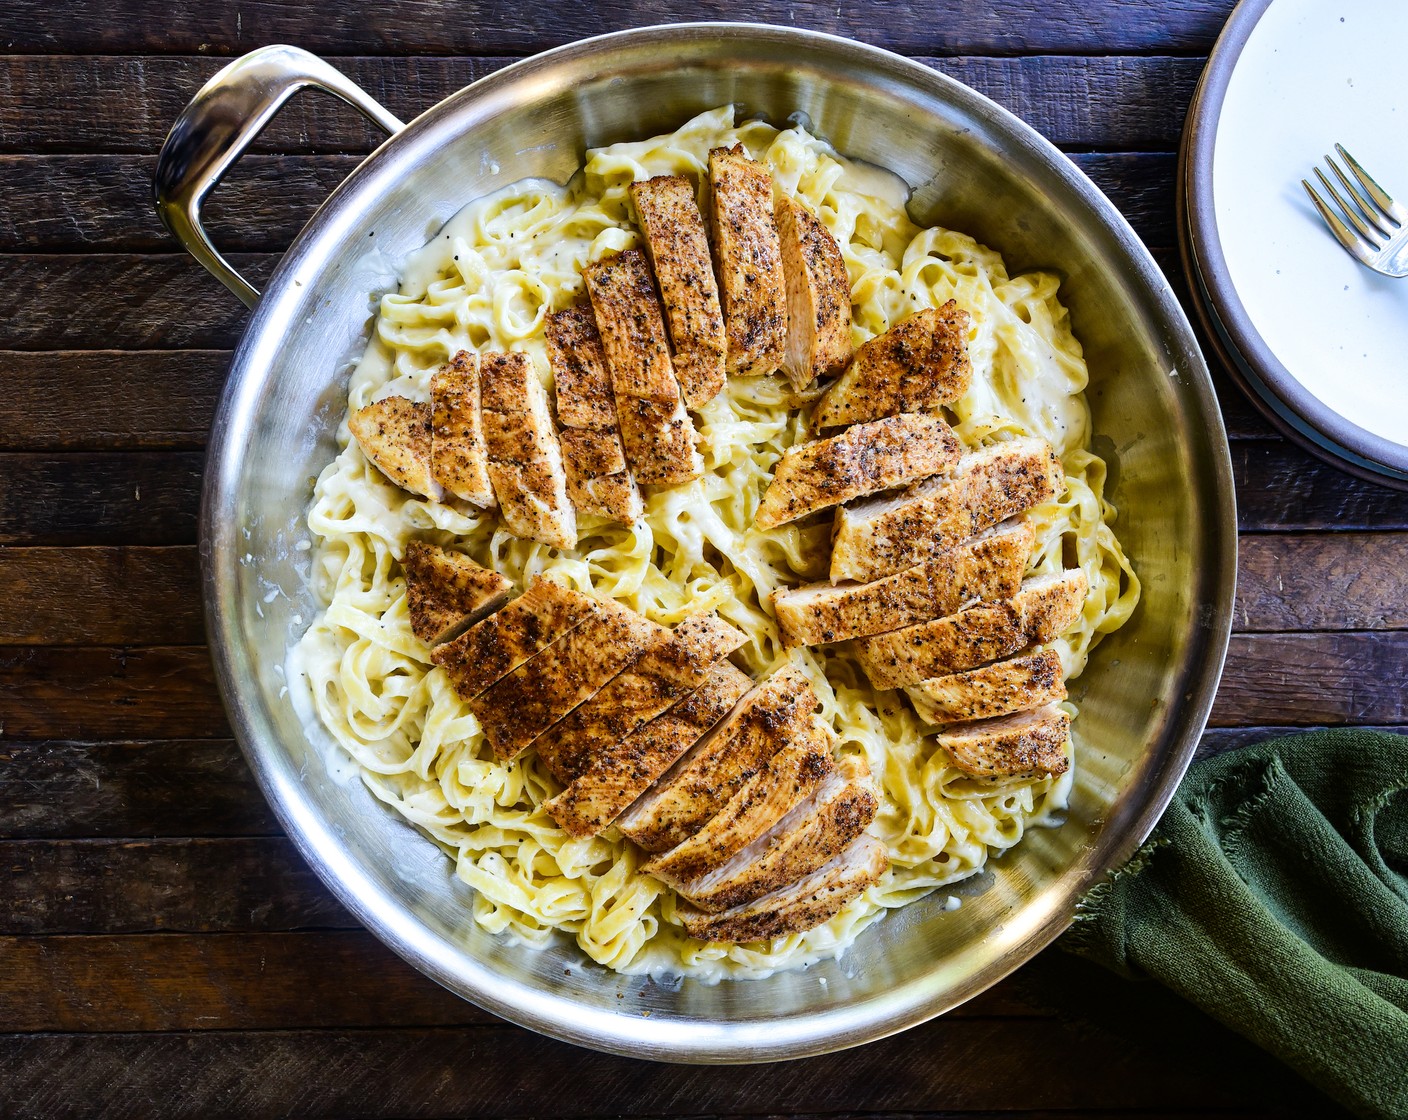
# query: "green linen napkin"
{"type": "Point", "coordinates": [1274, 896]}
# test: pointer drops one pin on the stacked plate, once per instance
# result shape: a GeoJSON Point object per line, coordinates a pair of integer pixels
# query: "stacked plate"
{"type": "Point", "coordinates": [1318, 341]}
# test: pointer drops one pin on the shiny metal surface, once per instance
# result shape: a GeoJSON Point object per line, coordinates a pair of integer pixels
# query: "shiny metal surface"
{"type": "Point", "coordinates": [1380, 237]}
{"type": "Point", "coordinates": [1144, 699]}
{"type": "Point", "coordinates": [221, 121]}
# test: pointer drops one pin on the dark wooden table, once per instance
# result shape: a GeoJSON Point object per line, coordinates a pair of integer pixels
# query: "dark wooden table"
{"type": "Point", "coordinates": [163, 951]}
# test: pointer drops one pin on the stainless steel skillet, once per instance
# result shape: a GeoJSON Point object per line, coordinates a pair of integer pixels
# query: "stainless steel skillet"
{"type": "Point", "coordinates": [1144, 699]}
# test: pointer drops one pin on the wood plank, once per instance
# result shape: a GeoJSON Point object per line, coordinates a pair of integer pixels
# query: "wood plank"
{"type": "Point", "coordinates": [77, 400]}
{"type": "Point", "coordinates": [70, 790]}
{"type": "Point", "coordinates": [1314, 679]}
{"type": "Point", "coordinates": [151, 596]}
{"type": "Point", "coordinates": [953, 1064]}
{"type": "Point", "coordinates": [103, 202]}
{"type": "Point", "coordinates": [127, 104]}
{"type": "Point", "coordinates": [92, 498]}
{"type": "Point", "coordinates": [1339, 581]}
{"type": "Point", "coordinates": [108, 400]}
{"type": "Point", "coordinates": [152, 498]}
{"type": "Point", "coordinates": [127, 302]}
{"type": "Point", "coordinates": [100, 596]}
{"type": "Point", "coordinates": [102, 692]}
{"type": "Point", "coordinates": [1219, 740]}
{"type": "Point", "coordinates": [419, 26]}
{"type": "Point", "coordinates": [200, 982]}
{"type": "Point", "coordinates": [186, 885]}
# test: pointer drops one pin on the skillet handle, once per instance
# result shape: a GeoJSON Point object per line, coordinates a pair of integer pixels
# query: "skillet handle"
{"type": "Point", "coordinates": [221, 121]}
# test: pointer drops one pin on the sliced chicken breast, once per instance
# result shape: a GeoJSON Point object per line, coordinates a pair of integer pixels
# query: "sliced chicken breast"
{"type": "Point", "coordinates": [394, 435]}
{"type": "Point", "coordinates": [447, 591]}
{"type": "Point", "coordinates": [598, 480]}
{"type": "Point", "coordinates": [748, 257]}
{"type": "Point", "coordinates": [917, 365]}
{"type": "Point", "coordinates": [678, 247]}
{"type": "Point", "coordinates": [580, 376]}
{"type": "Point", "coordinates": [701, 782]}
{"type": "Point", "coordinates": [1016, 685]}
{"type": "Point", "coordinates": [888, 533]}
{"type": "Point", "coordinates": [616, 778]}
{"type": "Point", "coordinates": [458, 457]}
{"type": "Point", "coordinates": [988, 566]}
{"type": "Point", "coordinates": [496, 646]}
{"type": "Point", "coordinates": [525, 458]}
{"type": "Point", "coordinates": [1043, 608]}
{"type": "Point", "coordinates": [800, 906]}
{"type": "Point", "coordinates": [520, 707]}
{"type": "Point", "coordinates": [815, 832]}
{"type": "Point", "coordinates": [1025, 745]}
{"type": "Point", "coordinates": [861, 460]}
{"type": "Point", "coordinates": [657, 431]}
{"type": "Point", "coordinates": [790, 777]}
{"type": "Point", "coordinates": [673, 665]}
{"type": "Point", "coordinates": [818, 295]}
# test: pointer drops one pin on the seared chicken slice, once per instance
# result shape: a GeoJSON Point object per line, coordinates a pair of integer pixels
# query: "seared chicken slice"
{"type": "Point", "coordinates": [999, 689]}
{"type": "Point", "coordinates": [801, 906]}
{"type": "Point", "coordinates": [861, 460]}
{"type": "Point", "coordinates": [657, 431]}
{"type": "Point", "coordinates": [580, 376]}
{"type": "Point", "coordinates": [701, 782]}
{"type": "Point", "coordinates": [674, 664]}
{"type": "Point", "coordinates": [394, 434]}
{"type": "Point", "coordinates": [889, 533]}
{"type": "Point", "coordinates": [616, 778]}
{"type": "Point", "coordinates": [748, 258]}
{"type": "Point", "coordinates": [1043, 608]}
{"type": "Point", "coordinates": [496, 646]}
{"type": "Point", "coordinates": [790, 776]}
{"type": "Point", "coordinates": [1025, 745]}
{"type": "Point", "coordinates": [817, 830]}
{"type": "Point", "coordinates": [447, 591]}
{"type": "Point", "coordinates": [525, 458]}
{"type": "Point", "coordinates": [598, 480]}
{"type": "Point", "coordinates": [818, 295]}
{"type": "Point", "coordinates": [679, 251]}
{"type": "Point", "coordinates": [988, 566]}
{"type": "Point", "coordinates": [540, 692]}
{"type": "Point", "coordinates": [458, 458]}
{"type": "Point", "coordinates": [917, 365]}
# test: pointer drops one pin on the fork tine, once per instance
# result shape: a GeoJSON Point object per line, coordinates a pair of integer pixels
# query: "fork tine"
{"type": "Point", "coordinates": [1374, 191]}
{"type": "Point", "coordinates": [1372, 238]}
{"type": "Point", "coordinates": [1368, 209]}
{"type": "Point", "coordinates": [1355, 247]}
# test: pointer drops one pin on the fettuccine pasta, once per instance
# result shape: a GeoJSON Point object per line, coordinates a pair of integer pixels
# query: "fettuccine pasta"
{"type": "Point", "coordinates": [487, 281]}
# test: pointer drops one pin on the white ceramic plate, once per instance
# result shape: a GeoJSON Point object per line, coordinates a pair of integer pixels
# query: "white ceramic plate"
{"type": "Point", "coordinates": [1327, 337]}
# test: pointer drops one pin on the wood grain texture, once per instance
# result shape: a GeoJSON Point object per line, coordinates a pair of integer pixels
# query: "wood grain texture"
{"type": "Point", "coordinates": [102, 202]}
{"type": "Point", "coordinates": [200, 982]}
{"type": "Point", "coordinates": [104, 692]}
{"type": "Point", "coordinates": [1312, 679]}
{"type": "Point", "coordinates": [1219, 740]}
{"type": "Point", "coordinates": [117, 497]}
{"type": "Point", "coordinates": [484, 27]}
{"type": "Point", "coordinates": [127, 104]}
{"type": "Point", "coordinates": [963, 1065]}
{"type": "Point", "coordinates": [177, 788]}
{"type": "Point", "coordinates": [110, 400]}
{"type": "Point", "coordinates": [152, 498]}
{"type": "Point", "coordinates": [1344, 581]}
{"type": "Point", "coordinates": [100, 596]}
{"type": "Point", "coordinates": [138, 886]}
